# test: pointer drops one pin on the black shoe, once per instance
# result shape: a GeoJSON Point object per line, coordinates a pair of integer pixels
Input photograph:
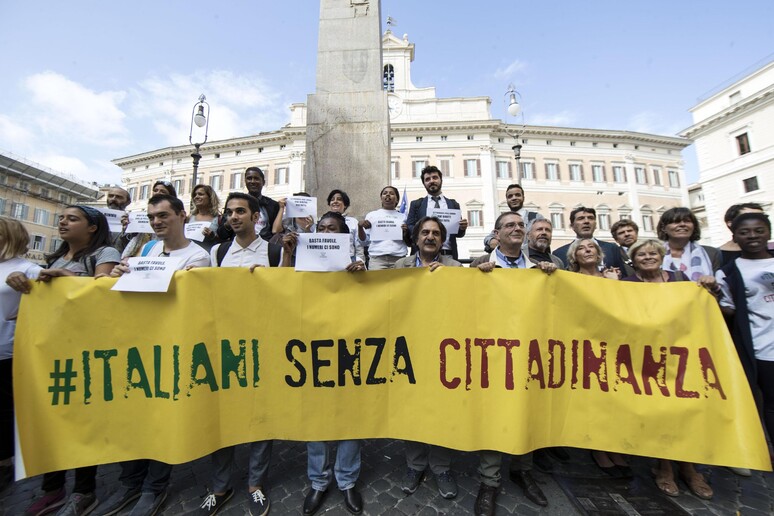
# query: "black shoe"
{"type": "Point", "coordinates": [532, 491]}
{"type": "Point", "coordinates": [353, 501]}
{"type": "Point", "coordinates": [624, 471]}
{"type": "Point", "coordinates": [485, 501]}
{"type": "Point", "coordinates": [313, 501]}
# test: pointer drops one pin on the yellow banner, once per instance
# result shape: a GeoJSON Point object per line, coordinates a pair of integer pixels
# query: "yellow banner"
{"type": "Point", "coordinates": [510, 361]}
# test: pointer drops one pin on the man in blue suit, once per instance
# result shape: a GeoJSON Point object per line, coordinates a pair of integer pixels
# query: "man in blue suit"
{"type": "Point", "coordinates": [432, 179]}
{"type": "Point", "coordinates": [583, 221]}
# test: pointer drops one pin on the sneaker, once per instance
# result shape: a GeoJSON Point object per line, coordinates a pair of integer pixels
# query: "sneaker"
{"type": "Point", "coordinates": [79, 504]}
{"type": "Point", "coordinates": [148, 504]}
{"type": "Point", "coordinates": [47, 503]}
{"type": "Point", "coordinates": [447, 486]}
{"type": "Point", "coordinates": [258, 504]}
{"type": "Point", "coordinates": [412, 480]}
{"type": "Point", "coordinates": [214, 502]}
{"type": "Point", "coordinates": [742, 472]}
{"type": "Point", "coordinates": [118, 501]}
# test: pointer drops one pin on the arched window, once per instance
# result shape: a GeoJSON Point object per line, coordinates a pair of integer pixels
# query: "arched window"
{"type": "Point", "coordinates": [388, 79]}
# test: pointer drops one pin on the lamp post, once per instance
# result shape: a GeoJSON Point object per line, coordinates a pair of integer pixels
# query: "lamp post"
{"type": "Point", "coordinates": [200, 117]}
{"type": "Point", "coordinates": [514, 110]}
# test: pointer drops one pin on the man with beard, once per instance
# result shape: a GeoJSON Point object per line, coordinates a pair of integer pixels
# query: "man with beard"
{"type": "Point", "coordinates": [514, 196]}
{"type": "Point", "coordinates": [539, 243]}
{"type": "Point", "coordinates": [428, 237]}
{"type": "Point", "coordinates": [119, 199]}
{"type": "Point", "coordinates": [254, 181]}
{"type": "Point", "coordinates": [432, 179]}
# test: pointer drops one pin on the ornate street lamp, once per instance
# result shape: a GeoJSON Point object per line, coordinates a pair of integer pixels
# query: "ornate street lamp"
{"type": "Point", "coordinates": [200, 117]}
{"type": "Point", "coordinates": [514, 110]}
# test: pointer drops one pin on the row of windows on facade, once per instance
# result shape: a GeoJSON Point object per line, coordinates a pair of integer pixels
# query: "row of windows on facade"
{"type": "Point", "coordinates": [553, 171]}
{"type": "Point", "coordinates": [215, 155]}
{"type": "Point", "coordinates": [505, 170]}
{"type": "Point", "coordinates": [38, 243]}
{"type": "Point", "coordinates": [21, 211]}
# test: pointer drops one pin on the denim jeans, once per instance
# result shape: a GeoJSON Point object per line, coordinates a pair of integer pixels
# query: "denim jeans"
{"type": "Point", "coordinates": [346, 468]}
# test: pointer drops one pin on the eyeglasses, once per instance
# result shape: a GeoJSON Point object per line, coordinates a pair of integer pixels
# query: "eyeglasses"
{"type": "Point", "coordinates": [511, 225]}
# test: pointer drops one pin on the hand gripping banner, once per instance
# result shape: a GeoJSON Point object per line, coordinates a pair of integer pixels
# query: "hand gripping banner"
{"type": "Point", "coordinates": [513, 361]}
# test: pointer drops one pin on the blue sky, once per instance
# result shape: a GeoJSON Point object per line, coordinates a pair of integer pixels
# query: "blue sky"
{"type": "Point", "coordinates": [88, 81]}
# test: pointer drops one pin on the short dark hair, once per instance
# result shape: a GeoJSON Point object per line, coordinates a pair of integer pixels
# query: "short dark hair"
{"type": "Point", "coordinates": [678, 214]}
{"type": "Point", "coordinates": [166, 184]}
{"type": "Point", "coordinates": [733, 211]}
{"type": "Point", "coordinates": [177, 204]}
{"type": "Point", "coordinates": [301, 194]}
{"type": "Point", "coordinates": [343, 228]}
{"type": "Point", "coordinates": [750, 216]}
{"type": "Point", "coordinates": [430, 169]}
{"type": "Point", "coordinates": [622, 224]}
{"type": "Point", "coordinates": [504, 214]}
{"type": "Point", "coordinates": [252, 202]}
{"type": "Point", "coordinates": [514, 185]}
{"type": "Point", "coordinates": [397, 193]}
{"type": "Point", "coordinates": [421, 222]}
{"type": "Point", "coordinates": [257, 170]}
{"type": "Point", "coordinates": [582, 209]}
{"type": "Point", "coordinates": [342, 193]}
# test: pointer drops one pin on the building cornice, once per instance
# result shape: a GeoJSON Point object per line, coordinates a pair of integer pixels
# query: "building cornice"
{"type": "Point", "coordinates": [751, 103]}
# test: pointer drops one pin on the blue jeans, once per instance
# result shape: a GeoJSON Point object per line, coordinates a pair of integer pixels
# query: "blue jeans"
{"type": "Point", "coordinates": [346, 468]}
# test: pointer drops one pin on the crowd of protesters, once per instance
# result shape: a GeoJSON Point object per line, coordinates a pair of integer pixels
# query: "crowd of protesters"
{"type": "Point", "coordinates": [252, 231]}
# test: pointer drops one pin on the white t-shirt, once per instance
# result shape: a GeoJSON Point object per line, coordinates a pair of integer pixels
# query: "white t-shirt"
{"type": "Point", "coordinates": [192, 254]}
{"type": "Point", "coordinates": [758, 277]}
{"type": "Point", "coordinates": [385, 247]}
{"type": "Point", "coordinates": [257, 253]}
{"type": "Point", "coordinates": [9, 301]}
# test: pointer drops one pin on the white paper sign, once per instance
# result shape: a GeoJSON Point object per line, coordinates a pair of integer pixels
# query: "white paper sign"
{"type": "Point", "coordinates": [323, 252]}
{"type": "Point", "coordinates": [193, 230]}
{"type": "Point", "coordinates": [148, 274]}
{"type": "Point", "coordinates": [450, 218]}
{"type": "Point", "coordinates": [114, 219]}
{"type": "Point", "coordinates": [138, 223]}
{"type": "Point", "coordinates": [387, 227]}
{"type": "Point", "coordinates": [300, 207]}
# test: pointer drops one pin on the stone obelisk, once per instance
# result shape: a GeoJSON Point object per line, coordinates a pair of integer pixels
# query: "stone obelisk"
{"type": "Point", "coordinates": [347, 128]}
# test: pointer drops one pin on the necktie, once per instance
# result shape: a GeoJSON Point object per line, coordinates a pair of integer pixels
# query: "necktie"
{"type": "Point", "coordinates": [437, 204]}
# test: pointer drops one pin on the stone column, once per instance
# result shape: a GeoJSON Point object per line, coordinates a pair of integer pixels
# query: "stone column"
{"type": "Point", "coordinates": [347, 131]}
{"type": "Point", "coordinates": [488, 185]}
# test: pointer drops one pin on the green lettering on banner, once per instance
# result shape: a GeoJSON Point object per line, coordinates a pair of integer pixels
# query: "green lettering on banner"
{"type": "Point", "coordinates": [231, 363]}
{"type": "Point", "coordinates": [200, 358]}
{"type": "Point", "coordinates": [107, 374]}
{"type": "Point", "coordinates": [134, 363]}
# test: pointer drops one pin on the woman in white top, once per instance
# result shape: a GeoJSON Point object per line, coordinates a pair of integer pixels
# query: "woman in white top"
{"type": "Point", "coordinates": [384, 253]}
{"type": "Point", "coordinates": [13, 245]}
{"type": "Point", "coordinates": [85, 251]}
{"type": "Point", "coordinates": [206, 208]}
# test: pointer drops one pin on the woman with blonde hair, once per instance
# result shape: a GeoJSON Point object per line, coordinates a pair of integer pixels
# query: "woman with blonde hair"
{"type": "Point", "coordinates": [206, 208]}
{"type": "Point", "coordinates": [13, 246]}
{"type": "Point", "coordinates": [585, 256]}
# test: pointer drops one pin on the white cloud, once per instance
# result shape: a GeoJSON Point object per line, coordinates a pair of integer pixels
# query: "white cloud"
{"type": "Point", "coordinates": [563, 118]}
{"type": "Point", "coordinates": [13, 135]}
{"type": "Point", "coordinates": [240, 104]}
{"type": "Point", "coordinates": [63, 108]}
{"type": "Point", "coordinates": [510, 70]}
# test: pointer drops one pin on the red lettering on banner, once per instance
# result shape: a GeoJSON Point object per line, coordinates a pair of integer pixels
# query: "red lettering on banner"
{"type": "Point", "coordinates": [708, 365]}
{"type": "Point", "coordinates": [508, 345]}
{"type": "Point", "coordinates": [652, 370]}
{"type": "Point", "coordinates": [682, 364]}
{"type": "Point", "coordinates": [552, 345]}
{"type": "Point", "coordinates": [623, 360]}
{"type": "Point", "coordinates": [593, 364]}
{"type": "Point", "coordinates": [449, 384]}
{"type": "Point", "coordinates": [535, 359]}
{"type": "Point", "coordinates": [483, 344]}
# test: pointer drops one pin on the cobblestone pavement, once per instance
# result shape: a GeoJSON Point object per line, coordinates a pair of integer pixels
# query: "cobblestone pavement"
{"type": "Point", "coordinates": [383, 468]}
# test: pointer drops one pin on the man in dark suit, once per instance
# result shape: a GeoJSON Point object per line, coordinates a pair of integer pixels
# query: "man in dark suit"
{"type": "Point", "coordinates": [583, 221]}
{"type": "Point", "coordinates": [432, 179]}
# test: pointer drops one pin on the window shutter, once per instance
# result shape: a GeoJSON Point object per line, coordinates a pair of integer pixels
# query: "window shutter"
{"type": "Point", "coordinates": [510, 170]}
{"type": "Point", "coordinates": [478, 167]}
